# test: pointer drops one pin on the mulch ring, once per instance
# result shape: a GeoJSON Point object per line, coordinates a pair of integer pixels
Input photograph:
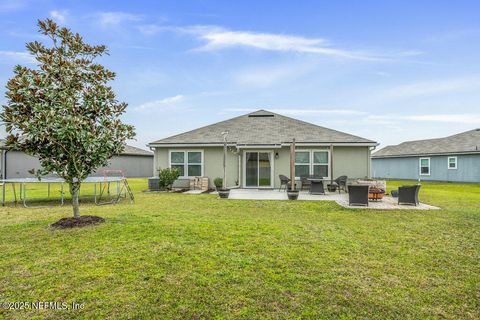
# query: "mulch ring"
{"type": "Point", "coordinates": [82, 221]}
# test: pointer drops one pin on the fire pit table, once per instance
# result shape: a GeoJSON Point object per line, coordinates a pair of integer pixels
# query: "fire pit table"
{"type": "Point", "coordinates": [375, 194]}
{"type": "Point", "coordinates": [317, 186]}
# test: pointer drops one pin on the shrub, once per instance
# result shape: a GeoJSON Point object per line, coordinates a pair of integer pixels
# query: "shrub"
{"type": "Point", "coordinates": [218, 182]}
{"type": "Point", "coordinates": [167, 177]}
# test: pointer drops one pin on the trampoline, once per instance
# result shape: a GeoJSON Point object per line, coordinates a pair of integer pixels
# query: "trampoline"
{"type": "Point", "coordinates": [110, 189]}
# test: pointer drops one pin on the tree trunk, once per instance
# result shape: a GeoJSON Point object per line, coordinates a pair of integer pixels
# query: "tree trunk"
{"type": "Point", "coordinates": [75, 193]}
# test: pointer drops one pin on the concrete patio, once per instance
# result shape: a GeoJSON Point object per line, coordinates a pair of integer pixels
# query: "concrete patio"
{"type": "Point", "coordinates": [387, 203]}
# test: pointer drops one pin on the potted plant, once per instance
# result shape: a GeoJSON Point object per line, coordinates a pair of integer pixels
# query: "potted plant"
{"type": "Point", "coordinates": [223, 192]}
{"type": "Point", "coordinates": [166, 177]}
{"type": "Point", "coordinates": [332, 187]}
{"type": "Point", "coordinates": [217, 182]}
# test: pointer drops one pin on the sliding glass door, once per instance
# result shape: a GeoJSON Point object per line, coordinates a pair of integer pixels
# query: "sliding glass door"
{"type": "Point", "coordinates": [258, 169]}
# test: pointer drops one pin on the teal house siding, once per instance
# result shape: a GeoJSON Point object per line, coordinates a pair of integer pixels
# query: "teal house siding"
{"type": "Point", "coordinates": [468, 168]}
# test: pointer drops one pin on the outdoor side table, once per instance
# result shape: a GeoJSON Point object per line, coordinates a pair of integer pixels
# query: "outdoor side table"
{"type": "Point", "coordinates": [317, 186]}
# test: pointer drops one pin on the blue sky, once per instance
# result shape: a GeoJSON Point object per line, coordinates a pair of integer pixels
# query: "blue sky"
{"type": "Point", "coordinates": [385, 70]}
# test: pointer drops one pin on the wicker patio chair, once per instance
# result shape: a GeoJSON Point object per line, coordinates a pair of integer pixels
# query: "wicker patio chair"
{"type": "Point", "coordinates": [358, 195]}
{"type": "Point", "coordinates": [305, 182]}
{"type": "Point", "coordinates": [408, 194]}
{"type": "Point", "coordinates": [284, 181]}
{"type": "Point", "coordinates": [341, 183]}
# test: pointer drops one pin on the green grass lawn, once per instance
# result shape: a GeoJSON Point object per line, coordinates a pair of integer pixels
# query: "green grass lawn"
{"type": "Point", "coordinates": [194, 256]}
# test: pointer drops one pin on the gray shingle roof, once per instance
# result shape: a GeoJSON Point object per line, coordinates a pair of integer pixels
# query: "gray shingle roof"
{"type": "Point", "coordinates": [465, 142]}
{"type": "Point", "coordinates": [262, 128]}
{"type": "Point", "coordinates": [129, 150]}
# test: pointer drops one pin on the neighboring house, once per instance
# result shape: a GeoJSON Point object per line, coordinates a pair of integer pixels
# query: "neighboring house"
{"type": "Point", "coordinates": [258, 151]}
{"type": "Point", "coordinates": [134, 162]}
{"type": "Point", "coordinates": [454, 158]}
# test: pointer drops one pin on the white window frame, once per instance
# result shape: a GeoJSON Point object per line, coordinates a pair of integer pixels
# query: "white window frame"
{"type": "Point", "coordinates": [311, 164]}
{"type": "Point", "coordinates": [448, 163]}
{"type": "Point", "coordinates": [185, 161]}
{"type": "Point", "coordinates": [420, 167]}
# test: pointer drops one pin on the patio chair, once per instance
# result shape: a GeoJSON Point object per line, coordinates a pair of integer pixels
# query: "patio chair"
{"type": "Point", "coordinates": [284, 181]}
{"type": "Point", "coordinates": [341, 183]}
{"type": "Point", "coordinates": [408, 194]}
{"type": "Point", "coordinates": [358, 195]}
{"type": "Point", "coordinates": [305, 182]}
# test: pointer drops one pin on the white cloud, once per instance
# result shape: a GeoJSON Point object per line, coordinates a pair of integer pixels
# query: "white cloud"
{"type": "Point", "coordinates": [12, 5]}
{"type": "Point", "coordinates": [454, 35]}
{"type": "Point", "coordinates": [383, 74]}
{"type": "Point", "coordinates": [300, 111]}
{"type": "Point", "coordinates": [465, 118]}
{"type": "Point", "coordinates": [150, 29]}
{"type": "Point", "coordinates": [112, 19]}
{"type": "Point", "coordinates": [17, 56]}
{"type": "Point", "coordinates": [429, 88]}
{"type": "Point", "coordinates": [59, 15]}
{"type": "Point", "coordinates": [264, 76]}
{"type": "Point", "coordinates": [217, 38]}
{"type": "Point", "coordinates": [164, 103]}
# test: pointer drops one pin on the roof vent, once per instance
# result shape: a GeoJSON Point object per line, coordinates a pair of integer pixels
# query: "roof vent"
{"type": "Point", "coordinates": [261, 114]}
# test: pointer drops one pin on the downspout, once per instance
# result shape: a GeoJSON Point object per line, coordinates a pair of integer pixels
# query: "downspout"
{"type": "Point", "coordinates": [239, 168]}
{"type": "Point", "coordinates": [154, 159]}
{"type": "Point", "coordinates": [369, 160]}
{"type": "Point", "coordinates": [5, 164]}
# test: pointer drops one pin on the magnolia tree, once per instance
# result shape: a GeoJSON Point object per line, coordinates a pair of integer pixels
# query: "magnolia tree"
{"type": "Point", "coordinates": [63, 112]}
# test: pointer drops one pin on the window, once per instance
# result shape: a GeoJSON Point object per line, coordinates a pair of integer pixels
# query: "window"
{"type": "Point", "coordinates": [177, 160]}
{"type": "Point", "coordinates": [452, 162]}
{"type": "Point", "coordinates": [312, 162]}
{"type": "Point", "coordinates": [190, 163]}
{"type": "Point", "coordinates": [424, 166]}
{"type": "Point", "coordinates": [302, 163]}
{"type": "Point", "coordinates": [320, 163]}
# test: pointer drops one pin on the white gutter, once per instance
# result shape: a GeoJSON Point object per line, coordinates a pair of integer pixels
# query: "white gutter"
{"type": "Point", "coordinates": [264, 146]}
{"type": "Point", "coordinates": [167, 145]}
{"type": "Point", "coordinates": [425, 155]}
{"type": "Point", "coordinates": [337, 144]}
{"type": "Point", "coordinates": [259, 146]}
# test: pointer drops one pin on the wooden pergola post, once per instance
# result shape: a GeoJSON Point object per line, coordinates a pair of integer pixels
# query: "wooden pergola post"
{"type": "Point", "coordinates": [292, 165]}
{"type": "Point", "coordinates": [331, 163]}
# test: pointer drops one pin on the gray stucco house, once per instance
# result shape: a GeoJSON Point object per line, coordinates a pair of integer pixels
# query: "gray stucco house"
{"type": "Point", "coordinates": [455, 158]}
{"type": "Point", "coordinates": [134, 162]}
{"type": "Point", "coordinates": [258, 145]}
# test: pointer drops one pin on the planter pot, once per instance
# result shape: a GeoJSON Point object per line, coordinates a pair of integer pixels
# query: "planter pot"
{"type": "Point", "coordinates": [292, 194]}
{"type": "Point", "coordinates": [331, 188]}
{"type": "Point", "coordinates": [375, 196]}
{"type": "Point", "coordinates": [223, 193]}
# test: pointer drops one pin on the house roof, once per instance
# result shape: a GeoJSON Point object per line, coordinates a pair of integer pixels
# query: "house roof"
{"type": "Point", "coordinates": [129, 150]}
{"type": "Point", "coordinates": [465, 142]}
{"type": "Point", "coordinates": [261, 128]}
{"type": "Point", "coordinates": [134, 151]}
